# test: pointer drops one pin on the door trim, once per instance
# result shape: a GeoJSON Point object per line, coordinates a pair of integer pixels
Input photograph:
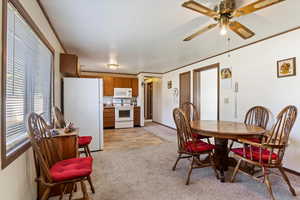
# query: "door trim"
{"type": "Point", "coordinates": [201, 69]}
{"type": "Point", "coordinates": [180, 85]}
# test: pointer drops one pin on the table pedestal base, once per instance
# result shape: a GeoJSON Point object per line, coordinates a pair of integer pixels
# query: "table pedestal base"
{"type": "Point", "coordinates": [221, 158]}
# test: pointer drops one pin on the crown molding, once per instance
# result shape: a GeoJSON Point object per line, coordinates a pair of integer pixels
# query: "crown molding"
{"type": "Point", "coordinates": [51, 25]}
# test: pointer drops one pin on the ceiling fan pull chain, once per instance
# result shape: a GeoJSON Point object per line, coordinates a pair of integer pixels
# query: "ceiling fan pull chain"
{"type": "Point", "coordinates": [228, 47]}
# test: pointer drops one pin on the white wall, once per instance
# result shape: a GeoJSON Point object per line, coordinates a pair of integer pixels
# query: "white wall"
{"type": "Point", "coordinates": [17, 180]}
{"type": "Point", "coordinates": [255, 69]}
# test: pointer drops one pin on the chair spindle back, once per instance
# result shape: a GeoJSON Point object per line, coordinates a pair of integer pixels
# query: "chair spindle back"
{"type": "Point", "coordinates": [282, 128]}
{"type": "Point", "coordinates": [184, 133]}
{"type": "Point", "coordinates": [190, 111]}
{"type": "Point", "coordinates": [59, 120]}
{"type": "Point", "coordinates": [44, 148]}
{"type": "Point", "coordinates": [258, 116]}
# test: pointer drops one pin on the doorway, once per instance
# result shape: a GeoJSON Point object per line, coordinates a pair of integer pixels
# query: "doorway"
{"type": "Point", "coordinates": [148, 107]}
{"type": "Point", "coordinates": [206, 91]}
{"type": "Point", "coordinates": [184, 87]}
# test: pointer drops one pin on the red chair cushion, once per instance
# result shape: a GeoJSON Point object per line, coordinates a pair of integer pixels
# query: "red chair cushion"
{"type": "Point", "coordinates": [71, 169]}
{"type": "Point", "coordinates": [256, 140]}
{"type": "Point", "coordinates": [84, 140]}
{"type": "Point", "coordinates": [198, 147]}
{"type": "Point", "coordinates": [265, 154]}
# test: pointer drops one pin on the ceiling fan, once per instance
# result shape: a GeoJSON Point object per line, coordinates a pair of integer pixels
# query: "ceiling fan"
{"type": "Point", "coordinates": [224, 13]}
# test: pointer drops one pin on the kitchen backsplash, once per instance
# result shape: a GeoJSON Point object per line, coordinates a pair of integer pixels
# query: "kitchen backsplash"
{"type": "Point", "coordinates": [109, 101]}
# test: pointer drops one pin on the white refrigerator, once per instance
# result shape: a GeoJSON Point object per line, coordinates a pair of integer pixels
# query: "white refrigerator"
{"type": "Point", "coordinates": [83, 106]}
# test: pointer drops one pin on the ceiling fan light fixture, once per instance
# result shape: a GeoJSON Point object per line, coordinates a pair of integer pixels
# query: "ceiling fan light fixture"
{"type": "Point", "coordinates": [223, 14]}
{"type": "Point", "coordinates": [224, 21]}
{"type": "Point", "coordinates": [223, 30]}
{"type": "Point", "coordinates": [113, 66]}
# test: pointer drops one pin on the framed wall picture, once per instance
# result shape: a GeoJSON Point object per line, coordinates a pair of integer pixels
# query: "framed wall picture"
{"type": "Point", "coordinates": [226, 73]}
{"type": "Point", "coordinates": [169, 84]}
{"type": "Point", "coordinates": [226, 78]}
{"type": "Point", "coordinates": [286, 67]}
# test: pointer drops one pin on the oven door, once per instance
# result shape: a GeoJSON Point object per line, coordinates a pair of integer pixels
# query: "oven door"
{"type": "Point", "coordinates": [124, 114]}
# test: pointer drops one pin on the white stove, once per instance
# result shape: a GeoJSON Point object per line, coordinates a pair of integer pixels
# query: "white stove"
{"type": "Point", "coordinates": [124, 116]}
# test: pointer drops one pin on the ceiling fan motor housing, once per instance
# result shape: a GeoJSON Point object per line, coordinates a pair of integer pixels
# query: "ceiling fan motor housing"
{"type": "Point", "coordinates": [226, 7]}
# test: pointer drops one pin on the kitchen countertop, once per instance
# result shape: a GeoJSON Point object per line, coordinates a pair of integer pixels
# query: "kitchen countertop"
{"type": "Point", "coordinates": [108, 106]}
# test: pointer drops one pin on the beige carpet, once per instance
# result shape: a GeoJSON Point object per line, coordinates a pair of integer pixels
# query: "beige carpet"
{"type": "Point", "coordinates": [145, 174]}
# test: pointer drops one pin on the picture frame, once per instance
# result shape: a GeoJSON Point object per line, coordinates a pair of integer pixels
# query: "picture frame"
{"type": "Point", "coordinates": [226, 73]}
{"type": "Point", "coordinates": [286, 67]}
{"type": "Point", "coordinates": [169, 84]}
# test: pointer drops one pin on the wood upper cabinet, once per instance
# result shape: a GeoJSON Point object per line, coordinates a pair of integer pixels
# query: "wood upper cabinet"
{"type": "Point", "coordinates": [108, 86]}
{"type": "Point", "coordinates": [69, 65]}
{"type": "Point", "coordinates": [111, 82]}
{"type": "Point", "coordinates": [121, 82]}
{"type": "Point", "coordinates": [135, 87]}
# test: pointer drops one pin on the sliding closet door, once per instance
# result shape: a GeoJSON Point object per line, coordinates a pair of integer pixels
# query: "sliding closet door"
{"type": "Point", "coordinates": [206, 92]}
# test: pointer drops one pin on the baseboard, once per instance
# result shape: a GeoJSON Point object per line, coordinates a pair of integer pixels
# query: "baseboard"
{"type": "Point", "coordinates": [291, 171]}
{"type": "Point", "coordinates": [164, 125]}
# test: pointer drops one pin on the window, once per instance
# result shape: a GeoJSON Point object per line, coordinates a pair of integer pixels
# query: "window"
{"type": "Point", "coordinates": [26, 82]}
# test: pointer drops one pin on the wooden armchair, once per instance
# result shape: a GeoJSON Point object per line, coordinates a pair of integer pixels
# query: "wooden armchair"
{"type": "Point", "coordinates": [51, 169]}
{"type": "Point", "coordinates": [192, 113]}
{"type": "Point", "coordinates": [270, 151]}
{"type": "Point", "coordinates": [189, 147]}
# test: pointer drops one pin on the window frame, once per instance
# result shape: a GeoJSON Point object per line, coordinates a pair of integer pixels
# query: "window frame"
{"type": "Point", "coordinates": [22, 147]}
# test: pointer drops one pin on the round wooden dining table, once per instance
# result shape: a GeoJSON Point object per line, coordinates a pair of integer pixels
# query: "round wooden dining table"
{"type": "Point", "coordinates": [222, 131]}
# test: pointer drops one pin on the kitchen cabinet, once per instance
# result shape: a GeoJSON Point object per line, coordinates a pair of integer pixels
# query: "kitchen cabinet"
{"type": "Point", "coordinates": [69, 65]}
{"type": "Point", "coordinates": [109, 117]}
{"type": "Point", "coordinates": [135, 87]}
{"type": "Point", "coordinates": [137, 116]}
{"type": "Point", "coordinates": [121, 82]}
{"type": "Point", "coordinates": [111, 82]}
{"type": "Point", "coordinates": [108, 86]}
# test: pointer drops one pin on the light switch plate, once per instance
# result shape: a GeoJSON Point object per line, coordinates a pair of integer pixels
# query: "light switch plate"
{"type": "Point", "coordinates": [226, 100]}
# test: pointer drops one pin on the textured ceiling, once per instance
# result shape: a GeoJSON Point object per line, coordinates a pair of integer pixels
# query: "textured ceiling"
{"type": "Point", "coordinates": [143, 35]}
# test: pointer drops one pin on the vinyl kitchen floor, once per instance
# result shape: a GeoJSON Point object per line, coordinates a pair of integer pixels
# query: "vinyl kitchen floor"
{"type": "Point", "coordinates": [131, 138]}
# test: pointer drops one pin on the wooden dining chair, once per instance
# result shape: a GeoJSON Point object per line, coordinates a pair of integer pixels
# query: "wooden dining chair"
{"type": "Point", "coordinates": [270, 151]}
{"type": "Point", "coordinates": [192, 113]}
{"type": "Point", "coordinates": [83, 141]}
{"type": "Point", "coordinates": [257, 116]}
{"type": "Point", "coordinates": [189, 147]}
{"type": "Point", "coordinates": [51, 169]}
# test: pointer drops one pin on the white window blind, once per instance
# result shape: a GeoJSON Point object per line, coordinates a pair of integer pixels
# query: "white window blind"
{"type": "Point", "coordinates": [28, 78]}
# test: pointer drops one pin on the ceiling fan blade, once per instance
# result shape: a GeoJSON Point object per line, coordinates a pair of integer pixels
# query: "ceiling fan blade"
{"type": "Point", "coordinates": [200, 32]}
{"type": "Point", "coordinates": [257, 5]}
{"type": "Point", "coordinates": [241, 30]}
{"type": "Point", "coordinates": [199, 8]}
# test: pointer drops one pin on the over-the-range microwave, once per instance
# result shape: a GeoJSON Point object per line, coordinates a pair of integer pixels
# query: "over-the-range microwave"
{"type": "Point", "coordinates": [122, 93]}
